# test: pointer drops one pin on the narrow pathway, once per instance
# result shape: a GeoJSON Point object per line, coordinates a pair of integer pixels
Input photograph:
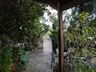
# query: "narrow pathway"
{"type": "Point", "coordinates": [40, 59]}
{"type": "Point", "coordinates": [47, 44]}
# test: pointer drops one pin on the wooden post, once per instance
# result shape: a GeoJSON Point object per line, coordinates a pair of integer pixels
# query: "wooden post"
{"type": "Point", "coordinates": [61, 43]}
{"type": "Point", "coordinates": [94, 7]}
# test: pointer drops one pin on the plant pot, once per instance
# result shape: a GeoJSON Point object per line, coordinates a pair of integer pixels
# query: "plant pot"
{"type": "Point", "coordinates": [12, 67]}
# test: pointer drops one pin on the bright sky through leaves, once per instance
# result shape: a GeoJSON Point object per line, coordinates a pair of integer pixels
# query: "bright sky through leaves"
{"type": "Point", "coordinates": [46, 17]}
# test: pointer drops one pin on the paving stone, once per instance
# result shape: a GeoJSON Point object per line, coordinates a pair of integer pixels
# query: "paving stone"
{"type": "Point", "coordinates": [40, 59]}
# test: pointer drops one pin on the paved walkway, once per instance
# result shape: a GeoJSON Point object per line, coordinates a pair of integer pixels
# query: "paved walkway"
{"type": "Point", "coordinates": [40, 59]}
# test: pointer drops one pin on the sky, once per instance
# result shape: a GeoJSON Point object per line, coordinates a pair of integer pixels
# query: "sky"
{"type": "Point", "coordinates": [53, 12]}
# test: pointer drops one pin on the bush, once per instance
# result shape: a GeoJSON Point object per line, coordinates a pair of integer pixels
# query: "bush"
{"type": "Point", "coordinates": [27, 47]}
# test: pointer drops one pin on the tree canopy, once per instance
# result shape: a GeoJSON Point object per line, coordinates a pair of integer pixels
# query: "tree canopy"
{"type": "Point", "coordinates": [19, 18]}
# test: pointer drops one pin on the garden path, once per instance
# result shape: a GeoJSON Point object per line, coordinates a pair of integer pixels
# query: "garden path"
{"type": "Point", "coordinates": [40, 59]}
